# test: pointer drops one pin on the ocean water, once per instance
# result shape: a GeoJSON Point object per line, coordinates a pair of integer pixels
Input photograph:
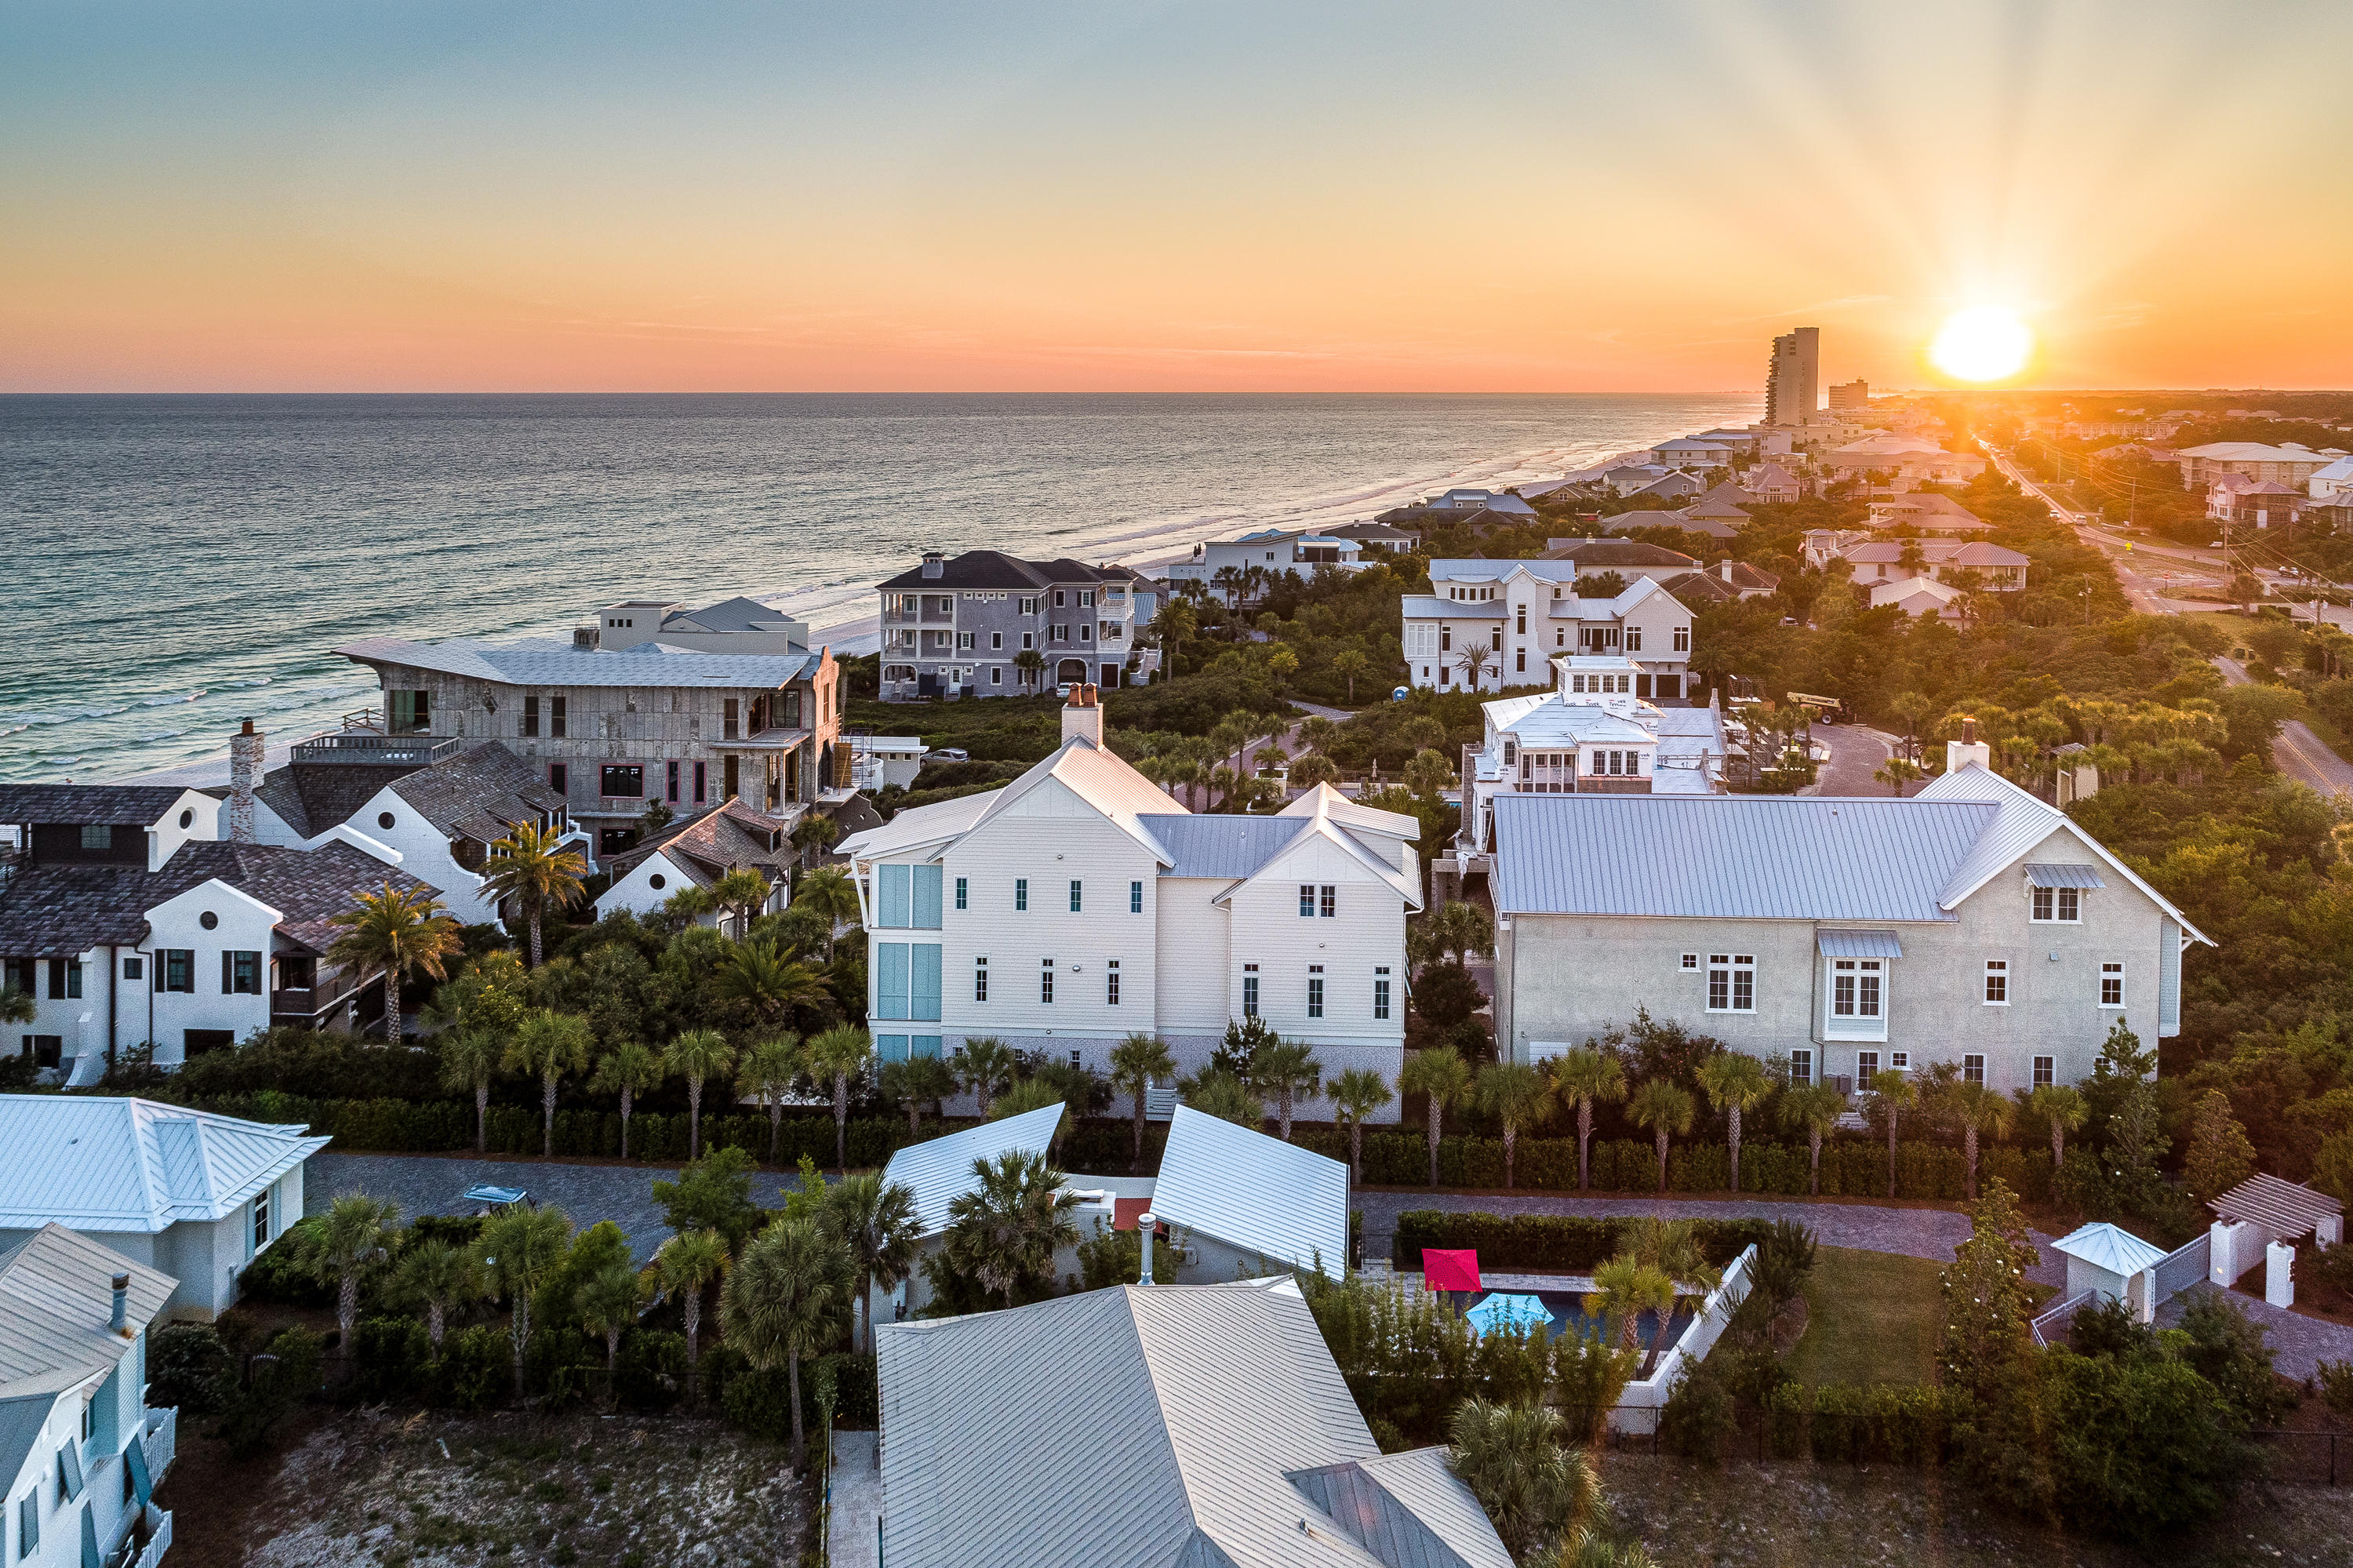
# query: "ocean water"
{"type": "Point", "coordinates": [177, 563]}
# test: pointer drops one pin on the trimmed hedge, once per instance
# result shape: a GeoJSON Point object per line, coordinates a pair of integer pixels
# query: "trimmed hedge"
{"type": "Point", "coordinates": [1551, 1244]}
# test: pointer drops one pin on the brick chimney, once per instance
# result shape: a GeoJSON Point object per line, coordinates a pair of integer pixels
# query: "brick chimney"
{"type": "Point", "coordinates": [934, 565]}
{"type": "Point", "coordinates": [1959, 754]}
{"type": "Point", "coordinates": [244, 773]}
{"type": "Point", "coordinates": [1083, 715]}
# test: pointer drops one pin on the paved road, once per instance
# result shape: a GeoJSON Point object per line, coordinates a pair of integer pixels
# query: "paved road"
{"type": "Point", "coordinates": [1856, 751]}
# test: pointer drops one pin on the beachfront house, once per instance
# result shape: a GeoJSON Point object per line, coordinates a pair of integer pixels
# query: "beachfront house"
{"type": "Point", "coordinates": [80, 1454]}
{"type": "Point", "coordinates": [1973, 924]}
{"type": "Point", "coordinates": [731, 626]}
{"type": "Point", "coordinates": [1491, 625]}
{"type": "Point", "coordinates": [1162, 1424]}
{"type": "Point", "coordinates": [193, 1194]}
{"type": "Point", "coordinates": [1227, 567]}
{"type": "Point", "coordinates": [1081, 903]}
{"type": "Point", "coordinates": [959, 628]}
{"type": "Point", "coordinates": [608, 733]}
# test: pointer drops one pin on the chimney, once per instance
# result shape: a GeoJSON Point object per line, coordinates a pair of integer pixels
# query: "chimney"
{"type": "Point", "coordinates": [1146, 1223]}
{"type": "Point", "coordinates": [1726, 569]}
{"type": "Point", "coordinates": [244, 773]}
{"type": "Point", "coordinates": [1959, 754]}
{"type": "Point", "coordinates": [934, 566]}
{"type": "Point", "coordinates": [1083, 715]}
{"type": "Point", "coordinates": [120, 1321]}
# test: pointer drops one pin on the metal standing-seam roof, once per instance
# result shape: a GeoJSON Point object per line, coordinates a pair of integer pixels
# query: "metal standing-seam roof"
{"type": "Point", "coordinates": [1409, 1509]}
{"type": "Point", "coordinates": [56, 1297]}
{"type": "Point", "coordinates": [2102, 1245]}
{"type": "Point", "coordinates": [1141, 1426]}
{"type": "Point", "coordinates": [1761, 857]}
{"type": "Point", "coordinates": [1253, 1192]}
{"type": "Point", "coordinates": [1225, 847]}
{"type": "Point", "coordinates": [940, 1170]}
{"type": "Point", "coordinates": [127, 1164]}
{"type": "Point", "coordinates": [580, 667]}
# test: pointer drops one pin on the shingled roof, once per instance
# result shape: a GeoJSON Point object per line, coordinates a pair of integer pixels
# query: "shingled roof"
{"type": "Point", "coordinates": [733, 837]}
{"type": "Point", "coordinates": [48, 911]}
{"type": "Point", "coordinates": [312, 797]}
{"type": "Point", "coordinates": [122, 805]}
{"type": "Point", "coordinates": [484, 791]}
{"type": "Point", "coordinates": [994, 569]}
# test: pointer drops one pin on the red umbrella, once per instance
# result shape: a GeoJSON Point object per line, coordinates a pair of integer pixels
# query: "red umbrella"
{"type": "Point", "coordinates": [1449, 1269]}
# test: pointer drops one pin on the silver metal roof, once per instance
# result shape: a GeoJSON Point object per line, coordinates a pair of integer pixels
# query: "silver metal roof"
{"type": "Point", "coordinates": [1859, 943]}
{"type": "Point", "coordinates": [124, 1164]}
{"type": "Point", "coordinates": [2064, 876]}
{"type": "Point", "coordinates": [940, 1170]}
{"type": "Point", "coordinates": [1221, 846]}
{"type": "Point", "coordinates": [579, 667]}
{"type": "Point", "coordinates": [56, 1295]}
{"type": "Point", "coordinates": [1763, 857]}
{"type": "Point", "coordinates": [1254, 1192]}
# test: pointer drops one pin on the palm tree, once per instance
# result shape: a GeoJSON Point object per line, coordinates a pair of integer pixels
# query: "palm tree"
{"type": "Point", "coordinates": [1586, 1076]}
{"type": "Point", "coordinates": [550, 1044]}
{"type": "Point", "coordinates": [769, 1069]}
{"type": "Point", "coordinates": [1735, 1081]}
{"type": "Point", "coordinates": [1474, 658]}
{"type": "Point", "coordinates": [2062, 1106]}
{"type": "Point", "coordinates": [916, 1083]}
{"type": "Point", "coordinates": [609, 1303]}
{"type": "Point", "coordinates": [18, 1006]}
{"type": "Point", "coordinates": [396, 934]}
{"type": "Point", "coordinates": [534, 867]}
{"type": "Point", "coordinates": [1176, 622]}
{"type": "Point", "coordinates": [1896, 1095]}
{"type": "Point", "coordinates": [1289, 1068]}
{"type": "Point", "coordinates": [1518, 1095]}
{"type": "Point", "coordinates": [684, 1266]}
{"type": "Point", "coordinates": [1629, 1288]}
{"type": "Point", "coordinates": [1310, 768]}
{"type": "Point", "coordinates": [1003, 1233]}
{"type": "Point", "coordinates": [1978, 1109]}
{"type": "Point", "coordinates": [1136, 1064]}
{"type": "Point", "coordinates": [840, 1054]}
{"type": "Point", "coordinates": [629, 1069]}
{"type": "Point", "coordinates": [762, 982]}
{"type": "Point", "coordinates": [828, 890]}
{"type": "Point", "coordinates": [1670, 1247]}
{"type": "Point", "coordinates": [696, 1055]}
{"type": "Point", "coordinates": [518, 1249]}
{"type": "Point", "coordinates": [354, 1236]}
{"type": "Point", "coordinates": [1817, 1108]}
{"type": "Point", "coordinates": [1442, 1076]}
{"type": "Point", "coordinates": [814, 835]}
{"type": "Point", "coordinates": [468, 1057]}
{"type": "Point", "coordinates": [1665, 1108]}
{"type": "Point", "coordinates": [1032, 664]}
{"type": "Point", "coordinates": [1518, 1462]}
{"type": "Point", "coordinates": [1357, 1094]}
{"type": "Point", "coordinates": [1230, 580]}
{"type": "Point", "coordinates": [740, 893]}
{"type": "Point", "coordinates": [1348, 665]}
{"type": "Point", "coordinates": [440, 1275]}
{"type": "Point", "coordinates": [879, 1223]}
{"type": "Point", "coordinates": [778, 1301]}
{"type": "Point", "coordinates": [984, 1067]}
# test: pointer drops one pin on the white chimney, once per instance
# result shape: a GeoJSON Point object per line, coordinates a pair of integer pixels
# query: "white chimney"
{"type": "Point", "coordinates": [1082, 716]}
{"type": "Point", "coordinates": [244, 774]}
{"type": "Point", "coordinates": [1959, 754]}
{"type": "Point", "coordinates": [1146, 1223]}
{"type": "Point", "coordinates": [934, 566]}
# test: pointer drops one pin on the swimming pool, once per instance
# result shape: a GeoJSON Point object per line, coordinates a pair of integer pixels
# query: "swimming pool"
{"type": "Point", "coordinates": [1567, 1314]}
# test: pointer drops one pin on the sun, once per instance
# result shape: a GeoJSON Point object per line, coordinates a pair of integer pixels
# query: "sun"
{"type": "Point", "coordinates": [1984, 343]}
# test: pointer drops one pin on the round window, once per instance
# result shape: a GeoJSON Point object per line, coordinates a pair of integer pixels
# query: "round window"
{"type": "Point", "coordinates": [384, 819]}
{"type": "Point", "coordinates": [657, 882]}
{"type": "Point", "coordinates": [209, 919]}
{"type": "Point", "coordinates": [186, 817]}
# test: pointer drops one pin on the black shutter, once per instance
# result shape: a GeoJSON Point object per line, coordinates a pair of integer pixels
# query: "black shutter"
{"type": "Point", "coordinates": [225, 977]}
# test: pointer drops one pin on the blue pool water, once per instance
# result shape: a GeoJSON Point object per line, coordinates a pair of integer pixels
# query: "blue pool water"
{"type": "Point", "coordinates": [1568, 1316]}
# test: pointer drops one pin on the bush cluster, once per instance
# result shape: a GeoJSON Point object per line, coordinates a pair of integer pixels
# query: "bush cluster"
{"type": "Point", "coordinates": [1554, 1242]}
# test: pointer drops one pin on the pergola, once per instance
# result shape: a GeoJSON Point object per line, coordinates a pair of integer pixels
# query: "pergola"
{"type": "Point", "coordinates": [2282, 1208]}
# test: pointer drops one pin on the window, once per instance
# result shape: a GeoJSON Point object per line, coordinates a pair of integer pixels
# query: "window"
{"type": "Point", "coordinates": [530, 715]}
{"type": "Point", "coordinates": [1857, 996]}
{"type": "Point", "coordinates": [1381, 991]}
{"type": "Point", "coordinates": [961, 893]}
{"type": "Point", "coordinates": [1996, 982]}
{"type": "Point", "coordinates": [261, 1219]}
{"type": "Point", "coordinates": [2045, 1072]}
{"type": "Point", "coordinates": [980, 979]}
{"type": "Point", "coordinates": [1059, 631]}
{"type": "Point", "coordinates": [134, 969]}
{"type": "Point", "coordinates": [965, 642]}
{"type": "Point", "coordinates": [1029, 640]}
{"type": "Point", "coordinates": [907, 980]}
{"type": "Point", "coordinates": [179, 970]}
{"type": "Point", "coordinates": [28, 1525]}
{"type": "Point", "coordinates": [1307, 901]}
{"type": "Point", "coordinates": [1061, 599]}
{"type": "Point", "coordinates": [1866, 1067]}
{"type": "Point", "coordinates": [1316, 990]}
{"type": "Point", "coordinates": [1730, 982]}
{"type": "Point", "coordinates": [622, 779]}
{"type": "Point", "coordinates": [1249, 990]}
{"type": "Point", "coordinates": [670, 781]}
{"type": "Point", "coordinates": [1020, 893]}
{"type": "Point", "coordinates": [730, 722]}
{"type": "Point", "coordinates": [1521, 656]}
{"type": "Point", "coordinates": [1110, 982]}
{"type": "Point", "coordinates": [995, 641]}
{"type": "Point", "coordinates": [1801, 1067]}
{"type": "Point", "coordinates": [1329, 898]}
{"type": "Point", "coordinates": [1028, 606]}
{"type": "Point", "coordinates": [96, 835]}
{"type": "Point", "coordinates": [1899, 1061]}
{"type": "Point", "coordinates": [2059, 906]}
{"type": "Point", "coordinates": [1046, 981]}
{"type": "Point", "coordinates": [1075, 901]}
{"type": "Point", "coordinates": [1135, 898]}
{"type": "Point", "coordinates": [2112, 983]}
{"type": "Point", "coordinates": [700, 788]}
{"type": "Point", "coordinates": [996, 674]}
{"type": "Point", "coordinates": [241, 974]}
{"type": "Point", "coordinates": [1682, 638]}
{"type": "Point", "coordinates": [412, 712]}
{"type": "Point", "coordinates": [1633, 639]}
{"type": "Point", "coordinates": [559, 777]}
{"type": "Point", "coordinates": [65, 978]}
{"type": "Point", "coordinates": [1691, 960]}
{"type": "Point", "coordinates": [1086, 631]}
{"type": "Point", "coordinates": [1973, 1070]}
{"type": "Point", "coordinates": [556, 717]}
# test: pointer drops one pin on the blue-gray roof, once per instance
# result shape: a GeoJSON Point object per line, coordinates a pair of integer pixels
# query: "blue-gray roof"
{"type": "Point", "coordinates": [1756, 857]}
{"type": "Point", "coordinates": [1220, 846]}
{"type": "Point", "coordinates": [21, 1421]}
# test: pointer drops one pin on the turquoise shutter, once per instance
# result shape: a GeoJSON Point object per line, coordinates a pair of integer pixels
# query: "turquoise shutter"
{"type": "Point", "coordinates": [927, 897]}
{"type": "Point", "coordinates": [892, 904]}
{"type": "Point", "coordinates": [142, 1484]}
{"type": "Point", "coordinates": [890, 980]}
{"type": "Point", "coordinates": [924, 981]}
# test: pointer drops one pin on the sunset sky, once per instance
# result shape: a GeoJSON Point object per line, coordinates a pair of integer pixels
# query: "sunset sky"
{"type": "Point", "coordinates": [1121, 196]}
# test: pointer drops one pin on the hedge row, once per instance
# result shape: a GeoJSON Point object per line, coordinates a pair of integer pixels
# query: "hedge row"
{"type": "Point", "coordinates": [1882, 1422]}
{"type": "Point", "coordinates": [1551, 1243]}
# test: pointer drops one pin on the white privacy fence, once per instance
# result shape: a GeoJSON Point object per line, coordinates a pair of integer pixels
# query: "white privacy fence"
{"type": "Point", "coordinates": [2051, 1328]}
{"type": "Point", "coordinates": [2181, 1269]}
{"type": "Point", "coordinates": [1638, 1408]}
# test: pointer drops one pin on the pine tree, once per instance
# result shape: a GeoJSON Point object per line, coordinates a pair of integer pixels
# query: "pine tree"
{"type": "Point", "coordinates": [2220, 1155]}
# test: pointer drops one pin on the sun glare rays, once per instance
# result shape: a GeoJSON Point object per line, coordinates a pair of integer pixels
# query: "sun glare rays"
{"type": "Point", "coordinates": [1981, 344]}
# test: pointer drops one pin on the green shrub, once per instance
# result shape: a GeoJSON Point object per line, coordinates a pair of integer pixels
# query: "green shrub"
{"type": "Point", "coordinates": [188, 1367]}
{"type": "Point", "coordinates": [280, 1379]}
{"type": "Point", "coordinates": [2226, 1347]}
{"type": "Point", "coordinates": [1786, 1421]}
{"type": "Point", "coordinates": [1838, 1424]}
{"type": "Point", "coordinates": [275, 1277]}
{"type": "Point", "coordinates": [2337, 1384]}
{"type": "Point", "coordinates": [476, 1370]}
{"type": "Point", "coordinates": [651, 1372]}
{"type": "Point", "coordinates": [391, 1358]}
{"type": "Point", "coordinates": [2140, 1451]}
{"type": "Point", "coordinates": [1698, 1415]}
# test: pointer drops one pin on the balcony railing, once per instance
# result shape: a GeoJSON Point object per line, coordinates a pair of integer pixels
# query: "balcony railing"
{"type": "Point", "coordinates": [159, 1536]}
{"type": "Point", "coordinates": [378, 750]}
{"type": "Point", "coordinates": [162, 1441]}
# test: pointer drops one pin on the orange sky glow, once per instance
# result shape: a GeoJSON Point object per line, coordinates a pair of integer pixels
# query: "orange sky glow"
{"type": "Point", "coordinates": [1162, 196]}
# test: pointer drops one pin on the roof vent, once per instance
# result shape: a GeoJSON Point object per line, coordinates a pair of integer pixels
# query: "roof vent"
{"type": "Point", "coordinates": [1146, 1223]}
{"type": "Point", "coordinates": [120, 1321]}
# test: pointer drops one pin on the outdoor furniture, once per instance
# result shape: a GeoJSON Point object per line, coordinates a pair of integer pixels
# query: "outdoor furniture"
{"type": "Point", "coordinates": [497, 1197]}
{"type": "Point", "coordinates": [1508, 1310]}
{"type": "Point", "coordinates": [1449, 1269]}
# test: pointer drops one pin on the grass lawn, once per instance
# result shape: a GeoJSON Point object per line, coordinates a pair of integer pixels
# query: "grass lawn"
{"type": "Point", "coordinates": [1871, 1317]}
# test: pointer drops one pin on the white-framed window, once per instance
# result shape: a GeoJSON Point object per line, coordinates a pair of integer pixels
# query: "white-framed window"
{"type": "Point", "coordinates": [1633, 639]}
{"type": "Point", "coordinates": [1307, 901]}
{"type": "Point", "coordinates": [1316, 990]}
{"type": "Point", "coordinates": [1135, 898]}
{"type": "Point", "coordinates": [1020, 893]}
{"type": "Point", "coordinates": [1899, 1061]}
{"type": "Point", "coordinates": [1801, 1067]}
{"type": "Point", "coordinates": [1866, 1067]}
{"type": "Point", "coordinates": [1682, 638]}
{"type": "Point", "coordinates": [1046, 981]}
{"type": "Point", "coordinates": [1996, 982]}
{"type": "Point", "coordinates": [1381, 991]}
{"type": "Point", "coordinates": [2045, 1072]}
{"type": "Point", "coordinates": [1076, 900]}
{"type": "Point", "coordinates": [261, 1219]}
{"type": "Point", "coordinates": [1249, 990]}
{"type": "Point", "coordinates": [1732, 982]}
{"type": "Point", "coordinates": [997, 640]}
{"type": "Point", "coordinates": [980, 979]}
{"type": "Point", "coordinates": [1858, 998]}
{"type": "Point", "coordinates": [996, 674]}
{"type": "Point", "coordinates": [2112, 985]}
{"type": "Point", "coordinates": [1973, 1069]}
{"type": "Point", "coordinates": [2058, 905]}
{"type": "Point", "coordinates": [1691, 960]}
{"type": "Point", "coordinates": [1111, 983]}
{"type": "Point", "coordinates": [1029, 638]}
{"type": "Point", "coordinates": [1327, 900]}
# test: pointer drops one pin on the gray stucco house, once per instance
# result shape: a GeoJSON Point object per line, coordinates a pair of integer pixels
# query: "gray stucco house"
{"type": "Point", "coordinates": [958, 627]}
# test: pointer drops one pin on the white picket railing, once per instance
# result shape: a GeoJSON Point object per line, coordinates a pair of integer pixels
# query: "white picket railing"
{"type": "Point", "coordinates": [2055, 1321]}
{"type": "Point", "coordinates": [159, 1536]}
{"type": "Point", "coordinates": [161, 1442]}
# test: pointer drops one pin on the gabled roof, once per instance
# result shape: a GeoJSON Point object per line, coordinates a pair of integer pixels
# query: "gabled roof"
{"type": "Point", "coordinates": [1139, 1426]}
{"type": "Point", "coordinates": [551, 666]}
{"type": "Point", "coordinates": [1255, 1193]}
{"type": "Point", "coordinates": [117, 805]}
{"type": "Point", "coordinates": [488, 782]}
{"type": "Point", "coordinates": [127, 1164]}
{"type": "Point", "coordinates": [1316, 810]}
{"type": "Point", "coordinates": [1601, 555]}
{"type": "Point", "coordinates": [2102, 1245]}
{"type": "Point", "coordinates": [732, 837]}
{"type": "Point", "coordinates": [1410, 1509]}
{"type": "Point", "coordinates": [994, 569]}
{"type": "Point", "coordinates": [1352, 814]}
{"type": "Point", "coordinates": [737, 614]}
{"type": "Point", "coordinates": [1102, 780]}
{"type": "Point", "coordinates": [57, 1298]}
{"type": "Point", "coordinates": [942, 821]}
{"type": "Point", "coordinates": [939, 1170]}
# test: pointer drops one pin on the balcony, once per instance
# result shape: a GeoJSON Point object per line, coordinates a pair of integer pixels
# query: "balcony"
{"type": "Point", "coordinates": [151, 1537]}
{"type": "Point", "coordinates": [161, 1442]}
{"type": "Point", "coordinates": [364, 747]}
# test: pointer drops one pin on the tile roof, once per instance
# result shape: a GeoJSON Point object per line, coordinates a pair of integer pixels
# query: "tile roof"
{"type": "Point", "coordinates": [939, 1170]}
{"type": "Point", "coordinates": [1255, 1193]}
{"type": "Point", "coordinates": [119, 1163]}
{"type": "Point", "coordinates": [995, 570]}
{"type": "Point", "coordinates": [560, 667]}
{"type": "Point", "coordinates": [1141, 1426]}
{"type": "Point", "coordinates": [488, 787]}
{"type": "Point", "coordinates": [57, 1299]}
{"type": "Point", "coordinates": [124, 805]}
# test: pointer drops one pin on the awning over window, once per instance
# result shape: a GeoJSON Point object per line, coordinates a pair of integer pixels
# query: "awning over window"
{"type": "Point", "coordinates": [2064, 876]}
{"type": "Point", "coordinates": [1859, 943]}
